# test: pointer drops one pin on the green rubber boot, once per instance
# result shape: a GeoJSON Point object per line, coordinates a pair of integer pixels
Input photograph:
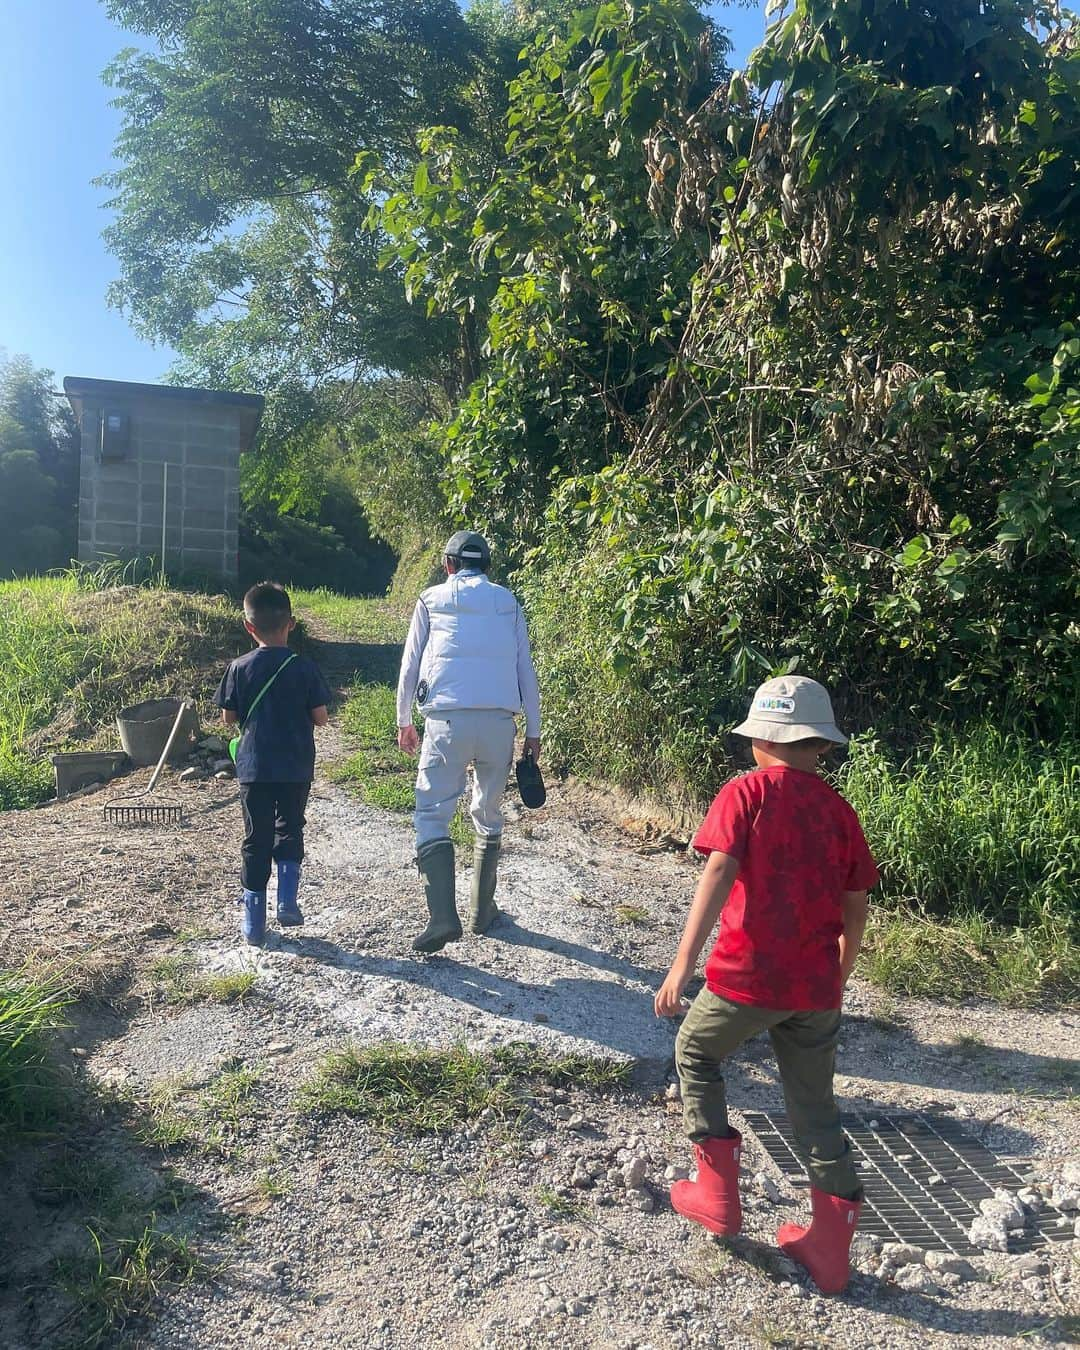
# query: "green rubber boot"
{"type": "Point", "coordinates": [484, 911]}
{"type": "Point", "coordinates": [435, 862]}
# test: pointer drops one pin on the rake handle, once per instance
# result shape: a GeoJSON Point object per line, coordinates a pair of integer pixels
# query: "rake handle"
{"type": "Point", "coordinates": [185, 704]}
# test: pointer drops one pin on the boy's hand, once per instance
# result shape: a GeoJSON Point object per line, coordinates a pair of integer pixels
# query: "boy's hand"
{"type": "Point", "coordinates": [408, 739]}
{"type": "Point", "coordinates": [669, 997]}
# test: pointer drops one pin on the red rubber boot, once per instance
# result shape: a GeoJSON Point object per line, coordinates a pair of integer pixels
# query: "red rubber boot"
{"type": "Point", "coordinates": [713, 1200]}
{"type": "Point", "coordinates": [823, 1247]}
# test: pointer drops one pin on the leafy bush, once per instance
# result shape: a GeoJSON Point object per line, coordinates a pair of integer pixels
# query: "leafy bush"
{"type": "Point", "coordinates": [684, 393]}
{"type": "Point", "coordinates": [660, 729]}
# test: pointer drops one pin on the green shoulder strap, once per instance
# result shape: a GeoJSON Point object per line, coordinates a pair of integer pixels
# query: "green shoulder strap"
{"type": "Point", "coordinates": [234, 744]}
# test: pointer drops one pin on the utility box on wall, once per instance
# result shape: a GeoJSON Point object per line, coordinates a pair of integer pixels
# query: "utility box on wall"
{"type": "Point", "coordinates": [160, 467]}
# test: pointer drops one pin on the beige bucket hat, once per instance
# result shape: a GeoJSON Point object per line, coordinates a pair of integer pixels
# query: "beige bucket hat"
{"type": "Point", "coordinates": [791, 708]}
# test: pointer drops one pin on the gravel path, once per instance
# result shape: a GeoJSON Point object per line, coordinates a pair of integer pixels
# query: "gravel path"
{"type": "Point", "coordinates": [547, 1228]}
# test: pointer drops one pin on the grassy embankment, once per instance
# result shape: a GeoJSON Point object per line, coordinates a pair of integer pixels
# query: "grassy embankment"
{"type": "Point", "coordinates": [73, 651]}
{"type": "Point", "coordinates": [978, 836]}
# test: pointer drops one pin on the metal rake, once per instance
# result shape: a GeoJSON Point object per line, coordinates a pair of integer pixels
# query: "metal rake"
{"type": "Point", "coordinates": [130, 810]}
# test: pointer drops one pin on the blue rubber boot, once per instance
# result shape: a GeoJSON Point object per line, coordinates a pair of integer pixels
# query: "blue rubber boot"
{"type": "Point", "coordinates": [288, 883]}
{"type": "Point", "coordinates": [253, 922]}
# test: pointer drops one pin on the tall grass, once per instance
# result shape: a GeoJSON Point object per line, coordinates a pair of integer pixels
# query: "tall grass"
{"type": "Point", "coordinates": [978, 839]}
{"type": "Point", "coordinates": [75, 648]}
{"type": "Point", "coordinates": [31, 1090]}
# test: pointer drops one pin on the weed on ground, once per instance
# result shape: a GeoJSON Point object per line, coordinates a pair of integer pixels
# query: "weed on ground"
{"type": "Point", "coordinates": [213, 1120]}
{"type": "Point", "coordinates": [633, 915]}
{"type": "Point", "coordinates": [557, 1205]}
{"type": "Point", "coordinates": [425, 1091]}
{"type": "Point", "coordinates": [176, 979]}
{"type": "Point", "coordinates": [121, 1279]}
{"type": "Point", "coordinates": [74, 1177]}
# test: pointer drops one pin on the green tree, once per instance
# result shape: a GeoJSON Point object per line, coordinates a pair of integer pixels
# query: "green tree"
{"type": "Point", "coordinates": [571, 287]}
{"type": "Point", "coordinates": [240, 232]}
{"type": "Point", "coordinates": [791, 362]}
{"type": "Point", "coordinates": [39, 470]}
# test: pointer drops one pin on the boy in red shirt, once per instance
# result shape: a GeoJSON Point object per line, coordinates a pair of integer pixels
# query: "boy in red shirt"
{"type": "Point", "coordinates": [787, 874]}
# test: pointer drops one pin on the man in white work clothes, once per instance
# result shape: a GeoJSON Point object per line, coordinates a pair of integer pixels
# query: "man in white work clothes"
{"type": "Point", "coordinates": [467, 666]}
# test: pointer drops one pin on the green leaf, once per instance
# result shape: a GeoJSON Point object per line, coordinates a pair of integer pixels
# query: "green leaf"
{"type": "Point", "coordinates": [915, 551]}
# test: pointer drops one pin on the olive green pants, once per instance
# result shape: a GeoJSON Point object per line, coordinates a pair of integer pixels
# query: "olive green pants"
{"type": "Point", "coordinates": [805, 1046]}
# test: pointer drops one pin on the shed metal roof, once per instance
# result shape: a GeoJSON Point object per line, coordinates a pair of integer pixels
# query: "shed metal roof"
{"type": "Point", "coordinates": [78, 388]}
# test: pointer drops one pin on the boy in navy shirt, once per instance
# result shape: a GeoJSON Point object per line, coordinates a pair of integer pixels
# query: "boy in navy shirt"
{"type": "Point", "coordinates": [277, 698]}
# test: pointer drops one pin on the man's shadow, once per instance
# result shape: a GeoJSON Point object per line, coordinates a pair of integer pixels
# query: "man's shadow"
{"type": "Point", "coordinates": [604, 1012]}
{"type": "Point", "coordinates": [618, 1014]}
{"type": "Point", "coordinates": [508, 930]}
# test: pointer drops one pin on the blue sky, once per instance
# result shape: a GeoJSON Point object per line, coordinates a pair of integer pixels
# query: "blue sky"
{"type": "Point", "coordinates": [58, 133]}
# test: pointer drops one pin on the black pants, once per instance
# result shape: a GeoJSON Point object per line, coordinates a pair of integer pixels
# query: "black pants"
{"type": "Point", "coordinates": [273, 828]}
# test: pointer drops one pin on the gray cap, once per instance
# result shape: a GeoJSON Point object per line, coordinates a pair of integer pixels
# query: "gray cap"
{"type": "Point", "coordinates": [471, 550]}
{"type": "Point", "coordinates": [791, 708]}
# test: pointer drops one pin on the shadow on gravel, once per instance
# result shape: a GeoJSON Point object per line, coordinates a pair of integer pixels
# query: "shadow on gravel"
{"type": "Point", "coordinates": [911, 1308]}
{"type": "Point", "coordinates": [348, 663]}
{"type": "Point", "coordinates": [508, 930]}
{"type": "Point", "coordinates": [898, 1056]}
{"type": "Point", "coordinates": [99, 1227]}
{"type": "Point", "coordinates": [943, 1315]}
{"type": "Point", "coordinates": [601, 1012]}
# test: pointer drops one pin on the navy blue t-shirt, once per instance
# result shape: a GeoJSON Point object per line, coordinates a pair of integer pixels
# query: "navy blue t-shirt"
{"type": "Point", "coordinates": [278, 744]}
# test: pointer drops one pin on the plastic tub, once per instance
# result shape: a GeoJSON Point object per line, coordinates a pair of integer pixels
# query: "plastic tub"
{"type": "Point", "coordinates": [77, 769]}
{"type": "Point", "coordinates": [144, 728]}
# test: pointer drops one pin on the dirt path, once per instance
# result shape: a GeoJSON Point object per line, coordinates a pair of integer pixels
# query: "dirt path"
{"type": "Point", "coordinates": [508, 1231]}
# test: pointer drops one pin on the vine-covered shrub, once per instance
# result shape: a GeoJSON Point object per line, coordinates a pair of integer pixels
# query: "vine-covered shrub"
{"type": "Point", "coordinates": [787, 364]}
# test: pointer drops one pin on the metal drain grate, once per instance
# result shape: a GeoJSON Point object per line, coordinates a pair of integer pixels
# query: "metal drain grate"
{"type": "Point", "coordinates": [898, 1155]}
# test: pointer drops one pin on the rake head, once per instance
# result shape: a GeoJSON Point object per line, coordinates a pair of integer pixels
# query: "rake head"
{"type": "Point", "coordinates": [119, 814]}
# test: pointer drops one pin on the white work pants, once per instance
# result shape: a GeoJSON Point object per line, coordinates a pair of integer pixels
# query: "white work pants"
{"type": "Point", "coordinates": [452, 741]}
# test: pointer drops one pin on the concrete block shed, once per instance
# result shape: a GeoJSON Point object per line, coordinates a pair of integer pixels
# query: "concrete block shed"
{"type": "Point", "coordinates": [157, 456]}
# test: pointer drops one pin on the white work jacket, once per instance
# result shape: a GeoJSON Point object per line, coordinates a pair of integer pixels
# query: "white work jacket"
{"type": "Point", "coordinates": [468, 647]}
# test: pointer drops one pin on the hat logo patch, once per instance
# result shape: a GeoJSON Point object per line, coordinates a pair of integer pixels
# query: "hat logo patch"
{"type": "Point", "coordinates": [774, 703]}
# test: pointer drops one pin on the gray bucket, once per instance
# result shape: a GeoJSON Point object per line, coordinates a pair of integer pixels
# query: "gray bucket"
{"type": "Point", "coordinates": [144, 728]}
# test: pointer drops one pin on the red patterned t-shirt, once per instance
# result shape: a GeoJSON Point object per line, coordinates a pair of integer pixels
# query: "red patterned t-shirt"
{"type": "Point", "coordinates": [799, 846]}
